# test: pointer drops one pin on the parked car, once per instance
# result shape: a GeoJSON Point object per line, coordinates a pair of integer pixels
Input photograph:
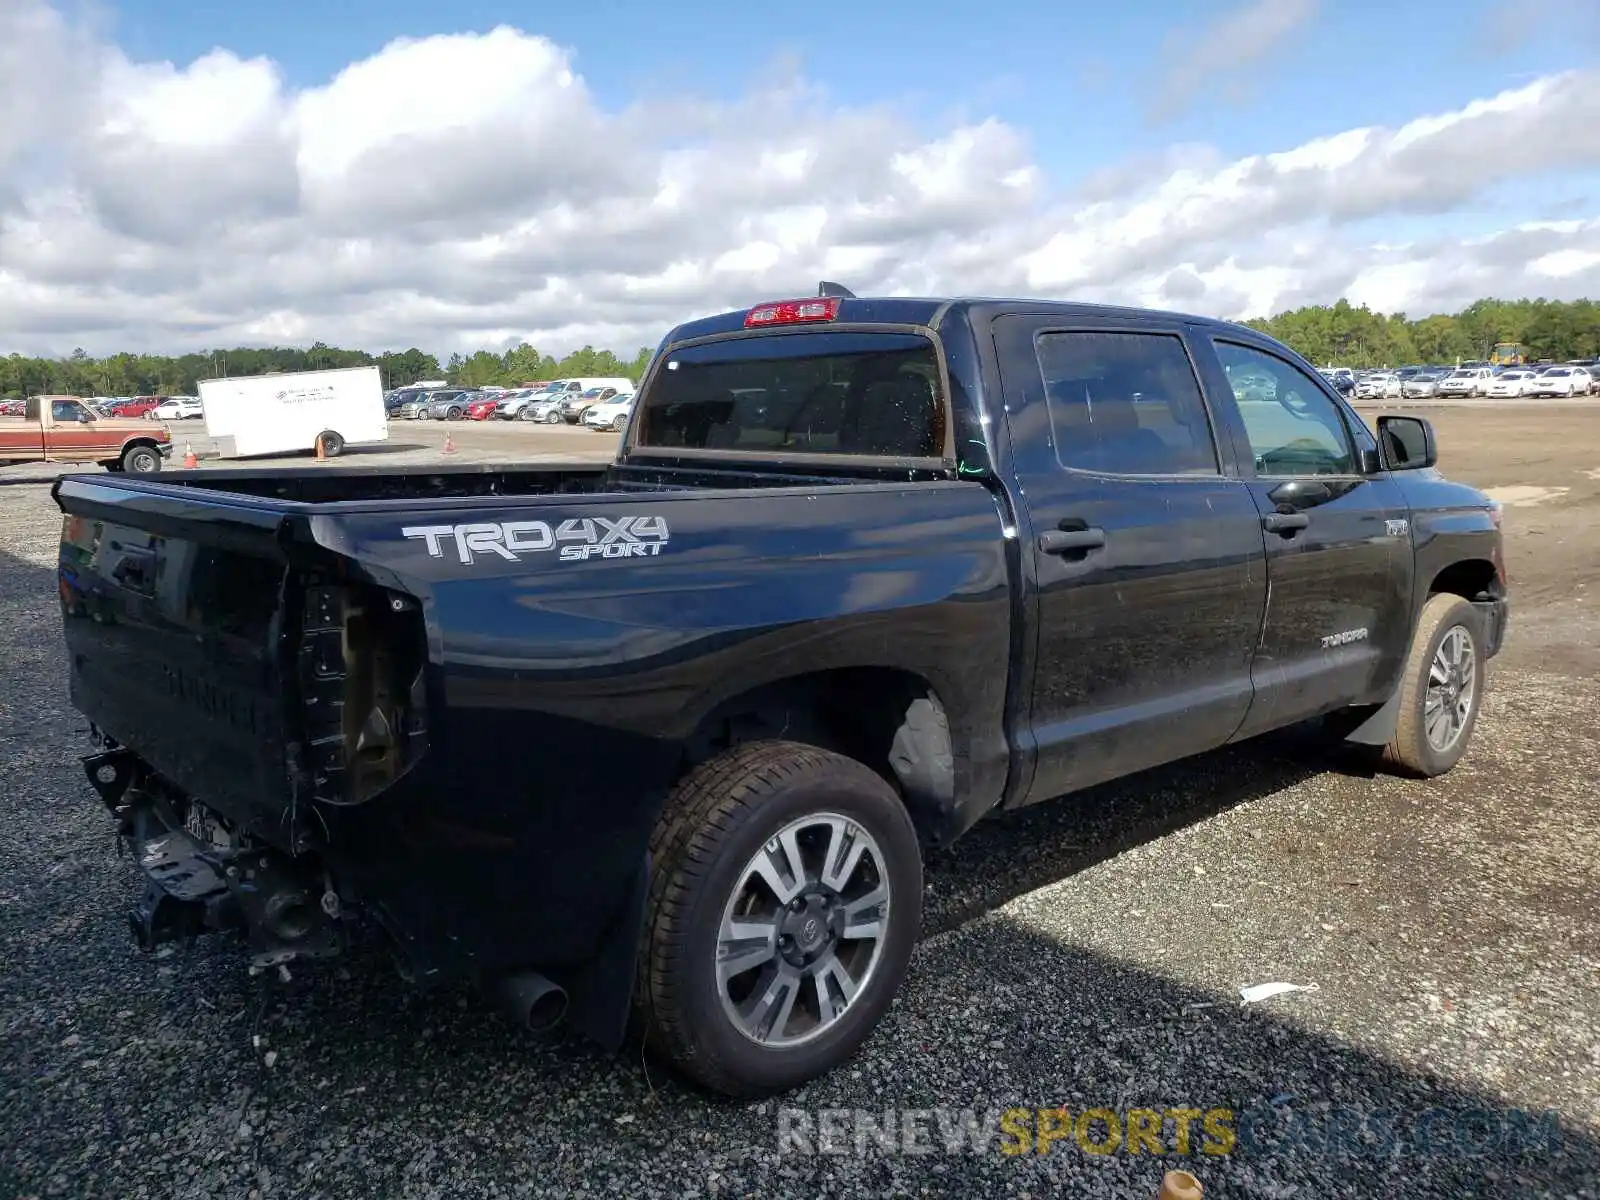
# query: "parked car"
{"type": "Point", "coordinates": [177, 408]}
{"type": "Point", "coordinates": [576, 404]}
{"type": "Point", "coordinates": [1342, 378]}
{"type": "Point", "coordinates": [1562, 381]}
{"type": "Point", "coordinates": [511, 401]}
{"type": "Point", "coordinates": [426, 407]}
{"type": "Point", "coordinates": [1466, 381]}
{"type": "Point", "coordinates": [610, 414]}
{"type": "Point", "coordinates": [1517, 381]}
{"type": "Point", "coordinates": [1423, 384]}
{"type": "Point", "coordinates": [138, 406]}
{"type": "Point", "coordinates": [740, 712]}
{"type": "Point", "coordinates": [448, 406]}
{"type": "Point", "coordinates": [546, 408]}
{"type": "Point", "coordinates": [483, 408]}
{"type": "Point", "coordinates": [1380, 385]}
{"type": "Point", "coordinates": [412, 407]}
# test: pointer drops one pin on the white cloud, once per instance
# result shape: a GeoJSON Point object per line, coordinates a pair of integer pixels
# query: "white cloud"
{"type": "Point", "coordinates": [1240, 39]}
{"type": "Point", "coordinates": [162, 206]}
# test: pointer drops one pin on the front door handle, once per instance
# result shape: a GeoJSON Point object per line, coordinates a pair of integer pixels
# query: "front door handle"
{"type": "Point", "coordinates": [1284, 524]}
{"type": "Point", "coordinates": [1068, 541]}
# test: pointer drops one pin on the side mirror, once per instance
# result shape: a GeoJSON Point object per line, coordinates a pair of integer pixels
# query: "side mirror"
{"type": "Point", "coordinates": [1406, 443]}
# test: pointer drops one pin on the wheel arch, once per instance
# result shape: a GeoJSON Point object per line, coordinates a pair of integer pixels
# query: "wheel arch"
{"type": "Point", "coordinates": [1472, 579]}
{"type": "Point", "coordinates": [890, 719]}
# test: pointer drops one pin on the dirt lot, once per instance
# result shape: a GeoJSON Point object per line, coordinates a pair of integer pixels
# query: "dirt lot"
{"type": "Point", "coordinates": [1084, 954]}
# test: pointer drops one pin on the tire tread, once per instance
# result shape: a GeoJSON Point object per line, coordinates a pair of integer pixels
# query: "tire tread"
{"type": "Point", "coordinates": [1408, 750]}
{"type": "Point", "coordinates": [707, 807]}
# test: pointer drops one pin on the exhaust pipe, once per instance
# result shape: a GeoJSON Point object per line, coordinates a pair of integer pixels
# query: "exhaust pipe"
{"type": "Point", "coordinates": [531, 1000]}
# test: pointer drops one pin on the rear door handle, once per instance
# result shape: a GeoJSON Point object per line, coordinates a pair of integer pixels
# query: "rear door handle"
{"type": "Point", "coordinates": [1284, 523]}
{"type": "Point", "coordinates": [1065, 541]}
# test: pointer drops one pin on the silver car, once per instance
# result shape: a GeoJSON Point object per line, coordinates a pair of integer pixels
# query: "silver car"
{"type": "Point", "coordinates": [546, 408]}
{"type": "Point", "coordinates": [577, 403]}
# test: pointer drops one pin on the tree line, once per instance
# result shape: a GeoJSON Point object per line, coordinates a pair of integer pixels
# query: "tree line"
{"type": "Point", "coordinates": [130, 374]}
{"type": "Point", "coordinates": [1346, 336]}
{"type": "Point", "coordinates": [1339, 334]}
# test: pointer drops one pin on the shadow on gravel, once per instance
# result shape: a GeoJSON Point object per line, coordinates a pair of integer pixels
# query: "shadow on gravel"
{"type": "Point", "coordinates": [179, 1075]}
{"type": "Point", "coordinates": [1022, 851]}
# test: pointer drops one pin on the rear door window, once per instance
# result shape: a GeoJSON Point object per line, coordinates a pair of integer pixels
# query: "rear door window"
{"type": "Point", "coordinates": [1125, 403]}
{"type": "Point", "coordinates": [876, 394]}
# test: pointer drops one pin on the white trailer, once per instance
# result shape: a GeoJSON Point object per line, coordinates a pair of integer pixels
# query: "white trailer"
{"type": "Point", "coordinates": [252, 415]}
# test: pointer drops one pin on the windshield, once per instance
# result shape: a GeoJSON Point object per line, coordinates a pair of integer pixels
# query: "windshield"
{"type": "Point", "coordinates": [799, 393]}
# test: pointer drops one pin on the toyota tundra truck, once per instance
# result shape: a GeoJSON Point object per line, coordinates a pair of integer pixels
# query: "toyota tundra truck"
{"type": "Point", "coordinates": [659, 745]}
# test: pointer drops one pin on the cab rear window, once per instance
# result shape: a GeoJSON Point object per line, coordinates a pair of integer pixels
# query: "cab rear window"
{"type": "Point", "coordinates": [877, 394]}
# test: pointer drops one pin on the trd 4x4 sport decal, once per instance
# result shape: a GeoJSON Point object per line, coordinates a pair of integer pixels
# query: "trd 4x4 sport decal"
{"type": "Point", "coordinates": [574, 540]}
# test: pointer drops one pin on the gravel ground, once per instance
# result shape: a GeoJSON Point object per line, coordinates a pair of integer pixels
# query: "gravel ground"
{"type": "Point", "coordinates": [1084, 954]}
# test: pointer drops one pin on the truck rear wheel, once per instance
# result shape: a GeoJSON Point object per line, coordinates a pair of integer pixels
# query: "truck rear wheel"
{"type": "Point", "coordinates": [1441, 689]}
{"type": "Point", "coordinates": [141, 460]}
{"type": "Point", "coordinates": [332, 443]}
{"type": "Point", "coordinates": [784, 906]}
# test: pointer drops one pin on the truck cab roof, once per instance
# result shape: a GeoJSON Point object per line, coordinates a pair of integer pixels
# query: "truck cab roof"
{"type": "Point", "coordinates": [929, 311]}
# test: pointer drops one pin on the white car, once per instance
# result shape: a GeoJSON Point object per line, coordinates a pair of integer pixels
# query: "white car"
{"type": "Point", "coordinates": [1379, 386]}
{"type": "Point", "coordinates": [1515, 382]}
{"type": "Point", "coordinates": [609, 414]}
{"type": "Point", "coordinates": [1562, 381]}
{"type": "Point", "coordinates": [177, 408]}
{"type": "Point", "coordinates": [1466, 381]}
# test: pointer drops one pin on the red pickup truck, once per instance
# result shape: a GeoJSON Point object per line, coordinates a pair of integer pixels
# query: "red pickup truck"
{"type": "Point", "coordinates": [67, 429]}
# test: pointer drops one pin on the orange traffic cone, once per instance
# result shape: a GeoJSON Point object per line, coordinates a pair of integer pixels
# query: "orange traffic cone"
{"type": "Point", "coordinates": [449, 443]}
{"type": "Point", "coordinates": [322, 452]}
{"type": "Point", "coordinates": [189, 460]}
{"type": "Point", "coordinates": [1179, 1185]}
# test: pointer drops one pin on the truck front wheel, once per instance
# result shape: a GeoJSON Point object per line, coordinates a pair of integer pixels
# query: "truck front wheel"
{"type": "Point", "coordinates": [141, 460]}
{"type": "Point", "coordinates": [785, 903]}
{"type": "Point", "coordinates": [1441, 689]}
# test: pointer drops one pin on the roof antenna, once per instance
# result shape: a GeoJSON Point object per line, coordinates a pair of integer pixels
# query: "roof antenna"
{"type": "Point", "coordinates": [835, 289]}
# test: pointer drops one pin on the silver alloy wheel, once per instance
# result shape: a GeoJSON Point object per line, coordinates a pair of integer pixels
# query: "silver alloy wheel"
{"type": "Point", "coordinates": [803, 931]}
{"type": "Point", "coordinates": [1451, 676]}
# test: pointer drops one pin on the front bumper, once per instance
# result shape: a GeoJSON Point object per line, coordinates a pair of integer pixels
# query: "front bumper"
{"type": "Point", "coordinates": [165, 449]}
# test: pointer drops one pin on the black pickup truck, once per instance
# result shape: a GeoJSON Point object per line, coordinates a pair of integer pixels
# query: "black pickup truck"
{"type": "Point", "coordinates": [662, 742]}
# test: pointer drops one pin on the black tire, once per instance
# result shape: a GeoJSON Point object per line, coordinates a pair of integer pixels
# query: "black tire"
{"type": "Point", "coordinates": [554, 417]}
{"type": "Point", "coordinates": [141, 460]}
{"type": "Point", "coordinates": [423, 414]}
{"type": "Point", "coordinates": [1410, 750]}
{"type": "Point", "coordinates": [332, 443]}
{"type": "Point", "coordinates": [618, 424]}
{"type": "Point", "coordinates": [452, 414]}
{"type": "Point", "coordinates": [717, 818]}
